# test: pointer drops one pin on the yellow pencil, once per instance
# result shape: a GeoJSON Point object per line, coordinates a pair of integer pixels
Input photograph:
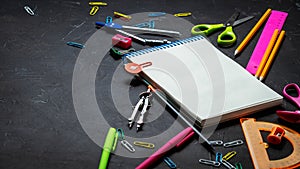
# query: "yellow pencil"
{"type": "Point", "coordinates": [267, 53]}
{"type": "Point", "coordinates": [272, 55]}
{"type": "Point", "coordinates": [252, 32]}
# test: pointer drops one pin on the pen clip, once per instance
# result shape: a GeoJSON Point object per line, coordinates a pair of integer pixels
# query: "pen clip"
{"type": "Point", "coordinates": [115, 142]}
{"type": "Point", "coordinates": [186, 138]}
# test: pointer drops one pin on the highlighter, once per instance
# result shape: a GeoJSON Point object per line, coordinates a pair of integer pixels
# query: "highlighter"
{"type": "Point", "coordinates": [109, 145]}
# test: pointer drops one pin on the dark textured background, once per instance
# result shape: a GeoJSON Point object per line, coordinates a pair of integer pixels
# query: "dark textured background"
{"type": "Point", "coordinates": [38, 124]}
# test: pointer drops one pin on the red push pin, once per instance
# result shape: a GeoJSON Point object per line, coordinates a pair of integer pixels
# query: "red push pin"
{"type": "Point", "coordinates": [276, 134]}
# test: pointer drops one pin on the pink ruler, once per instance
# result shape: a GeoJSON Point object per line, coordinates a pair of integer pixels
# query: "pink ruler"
{"type": "Point", "coordinates": [275, 21]}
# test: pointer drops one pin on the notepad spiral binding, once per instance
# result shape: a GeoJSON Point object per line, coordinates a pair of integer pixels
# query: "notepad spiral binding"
{"type": "Point", "coordinates": [165, 46]}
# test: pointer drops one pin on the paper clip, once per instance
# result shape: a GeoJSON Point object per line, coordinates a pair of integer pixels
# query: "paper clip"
{"type": "Point", "coordinates": [120, 15]}
{"type": "Point", "coordinates": [94, 10]}
{"type": "Point", "coordinates": [156, 14]}
{"type": "Point", "coordinates": [229, 155]}
{"type": "Point", "coordinates": [216, 143]}
{"type": "Point", "coordinates": [238, 165]}
{"type": "Point", "coordinates": [108, 19]}
{"type": "Point", "coordinates": [169, 162]}
{"type": "Point", "coordinates": [142, 25]}
{"type": "Point", "coordinates": [233, 143]}
{"type": "Point", "coordinates": [228, 165]}
{"type": "Point", "coordinates": [183, 14]}
{"type": "Point", "coordinates": [218, 157]}
{"type": "Point", "coordinates": [124, 142]}
{"type": "Point", "coordinates": [29, 10]}
{"type": "Point", "coordinates": [143, 144]}
{"type": "Point", "coordinates": [78, 45]}
{"type": "Point", "coordinates": [210, 162]}
{"type": "Point", "coordinates": [128, 146]}
{"type": "Point", "coordinates": [97, 3]}
{"type": "Point", "coordinates": [152, 24]}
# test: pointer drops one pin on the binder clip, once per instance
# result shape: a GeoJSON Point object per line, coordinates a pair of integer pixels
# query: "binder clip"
{"type": "Point", "coordinates": [143, 105]}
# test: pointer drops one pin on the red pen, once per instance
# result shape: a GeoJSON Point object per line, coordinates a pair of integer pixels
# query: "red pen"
{"type": "Point", "coordinates": [176, 141]}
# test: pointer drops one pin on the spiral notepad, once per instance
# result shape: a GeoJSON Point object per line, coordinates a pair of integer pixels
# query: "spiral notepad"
{"type": "Point", "coordinates": [203, 82]}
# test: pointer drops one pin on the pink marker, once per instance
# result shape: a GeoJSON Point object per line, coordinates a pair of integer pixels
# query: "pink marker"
{"type": "Point", "coordinates": [176, 141]}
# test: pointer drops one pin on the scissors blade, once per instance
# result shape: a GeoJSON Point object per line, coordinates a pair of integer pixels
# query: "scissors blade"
{"type": "Point", "coordinates": [232, 18]}
{"type": "Point", "coordinates": [240, 21]}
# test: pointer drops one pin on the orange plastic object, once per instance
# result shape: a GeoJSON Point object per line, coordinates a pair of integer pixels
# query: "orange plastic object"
{"type": "Point", "coordinates": [275, 136]}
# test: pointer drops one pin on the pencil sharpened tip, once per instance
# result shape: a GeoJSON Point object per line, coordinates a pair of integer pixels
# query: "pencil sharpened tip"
{"type": "Point", "coordinates": [236, 52]}
{"type": "Point", "coordinates": [261, 78]}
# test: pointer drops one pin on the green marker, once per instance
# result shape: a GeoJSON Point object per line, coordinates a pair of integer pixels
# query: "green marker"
{"type": "Point", "coordinates": [109, 145]}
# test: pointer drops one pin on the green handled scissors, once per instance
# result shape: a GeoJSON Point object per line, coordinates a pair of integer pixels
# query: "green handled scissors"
{"type": "Point", "coordinates": [227, 37]}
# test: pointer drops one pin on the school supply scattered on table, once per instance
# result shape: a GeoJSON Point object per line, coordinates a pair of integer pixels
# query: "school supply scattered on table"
{"type": "Point", "coordinates": [183, 14]}
{"type": "Point", "coordinates": [257, 147]}
{"type": "Point", "coordinates": [136, 68]}
{"type": "Point", "coordinates": [143, 104]}
{"type": "Point", "coordinates": [97, 3]}
{"type": "Point", "coordinates": [144, 144]}
{"type": "Point", "coordinates": [148, 24]}
{"type": "Point", "coordinates": [275, 21]}
{"type": "Point", "coordinates": [157, 14]}
{"type": "Point", "coordinates": [109, 146]}
{"type": "Point", "coordinates": [276, 135]}
{"type": "Point", "coordinates": [124, 142]}
{"type": "Point", "coordinates": [75, 44]}
{"type": "Point", "coordinates": [272, 56]}
{"type": "Point", "coordinates": [227, 37]}
{"type": "Point", "coordinates": [229, 155]}
{"type": "Point", "coordinates": [29, 10]}
{"type": "Point", "coordinates": [291, 116]}
{"type": "Point", "coordinates": [118, 53]}
{"type": "Point", "coordinates": [176, 142]}
{"type": "Point", "coordinates": [228, 165]}
{"type": "Point", "coordinates": [216, 143]}
{"type": "Point", "coordinates": [266, 54]}
{"type": "Point", "coordinates": [142, 41]}
{"type": "Point", "coordinates": [184, 58]}
{"type": "Point", "coordinates": [94, 10]}
{"type": "Point", "coordinates": [122, 16]}
{"type": "Point", "coordinates": [108, 19]}
{"type": "Point", "coordinates": [121, 41]}
{"type": "Point", "coordinates": [210, 162]}
{"type": "Point", "coordinates": [233, 143]}
{"type": "Point", "coordinates": [170, 163]}
{"type": "Point", "coordinates": [140, 30]}
{"type": "Point", "coordinates": [252, 32]}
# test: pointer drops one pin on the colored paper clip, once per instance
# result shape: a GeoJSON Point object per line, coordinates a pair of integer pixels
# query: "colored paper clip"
{"type": "Point", "coordinates": [97, 3]}
{"type": "Point", "coordinates": [210, 162]}
{"type": "Point", "coordinates": [238, 165]}
{"type": "Point", "coordinates": [122, 16]}
{"type": "Point", "coordinates": [216, 143]}
{"type": "Point", "coordinates": [143, 144]}
{"type": "Point", "coordinates": [78, 45]}
{"type": "Point", "coordinates": [94, 10]}
{"type": "Point", "coordinates": [156, 14]}
{"type": "Point", "coordinates": [142, 25]}
{"type": "Point", "coordinates": [233, 143]}
{"type": "Point", "coordinates": [228, 165]}
{"type": "Point", "coordinates": [108, 19]}
{"type": "Point", "coordinates": [229, 155]}
{"type": "Point", "coordinates": [29, 10]}
{"type": "Point", "coordinates": [169, 162]}
{"type": "Point", "coordinates": [183, 14]}
{"type": "Point", "coordinates": [218, 157]}
{"type": "Point", "coordinates": [117, 53]}
{"type": "Point", "coordinates": [152, 24]}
